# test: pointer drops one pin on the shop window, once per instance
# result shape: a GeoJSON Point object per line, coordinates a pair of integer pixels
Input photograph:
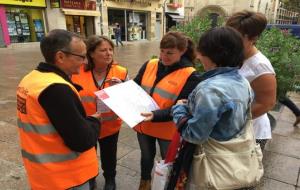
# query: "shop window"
{"type": "Point", "coordinates": [136, 26]}
{"type": "Point", "coordinates": [24, 25]}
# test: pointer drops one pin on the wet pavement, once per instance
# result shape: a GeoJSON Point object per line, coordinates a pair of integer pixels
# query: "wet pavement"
{"type": "Point", "coordinates": [282, 154]}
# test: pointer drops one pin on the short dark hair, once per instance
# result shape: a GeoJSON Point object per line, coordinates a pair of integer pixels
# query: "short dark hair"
{"type": "Point", "coordinates": [56, 40]}
{"type": "Point", "coordinates": [180, 41]}
{"type": "Point", "coordinates": [248, 23]}
{"type": "Point", "coordinates": [91, 44]}
{"type": "Point", "coordinates": [224, 46]}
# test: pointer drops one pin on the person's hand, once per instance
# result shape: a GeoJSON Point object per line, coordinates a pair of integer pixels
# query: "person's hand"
{"type": "Point", "coordinates": [148, 116]}
{"type": "Point", "coordinates": [113, 81]}
{"type": "Point", "coordinates": [182, 102]}
{"type": "Point", "coordinates": [97, 115]}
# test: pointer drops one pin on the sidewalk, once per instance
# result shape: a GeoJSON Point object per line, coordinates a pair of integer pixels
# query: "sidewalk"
{"type": "Point", "coordinates": [282, 155]}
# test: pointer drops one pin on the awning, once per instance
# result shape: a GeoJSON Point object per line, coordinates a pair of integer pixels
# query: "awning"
{"type": "Point", "coordinates": [176, 18]}
{"type": "Point", "coordinates": [80, 12]}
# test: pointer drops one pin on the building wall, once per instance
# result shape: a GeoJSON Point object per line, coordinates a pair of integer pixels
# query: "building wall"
{"type": "Point", "coordinates": [282, 15]}
{"type": "Point", "coordinates": [55, 18]}
{"type": "Point", "coordinates": [151, 7]}
{"type": "Point", "coordinates": [225, 8]}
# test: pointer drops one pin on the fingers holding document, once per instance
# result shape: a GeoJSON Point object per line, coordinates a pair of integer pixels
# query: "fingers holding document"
{"type": "Point", "coordinates": [113, 81]}
{"type": "Point", "coordinates": [97, 115]}
{"type": "Point", "coordinates": [148, 116]}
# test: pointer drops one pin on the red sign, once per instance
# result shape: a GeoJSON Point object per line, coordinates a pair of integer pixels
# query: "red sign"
{"type": "Point", "coordinates": [79, 4]}
{"type": "Point", "coordinates": [174, 5]}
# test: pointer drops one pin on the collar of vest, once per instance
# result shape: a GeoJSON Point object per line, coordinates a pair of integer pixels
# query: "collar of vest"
{"type": "Point", "coordinates": [48, 67]}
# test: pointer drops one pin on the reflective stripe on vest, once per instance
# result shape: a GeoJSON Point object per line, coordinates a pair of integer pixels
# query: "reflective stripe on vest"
{"type": "Point", "coordinates": [109, 118]}
{"type": "Point", "coordinates": [110, 121]}
{"type": "Point", "coordinates": [88, 99]}
{"type": "Point", "coordinates": [39, 129]}
{"type": "Point", "coordinates": [49, 162]}
{"type": "Point", "coordinates": [49, 158]}
{"type": "Point", "coordinates": [161, 92]}
{"type": "Point", "coordinates": [165, 94]}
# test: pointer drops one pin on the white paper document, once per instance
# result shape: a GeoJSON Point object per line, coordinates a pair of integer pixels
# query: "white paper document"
{"type": "Point", "coordinates": [128, 100]}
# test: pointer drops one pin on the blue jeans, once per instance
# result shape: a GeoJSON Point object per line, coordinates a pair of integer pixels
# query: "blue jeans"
{"type": "Point", "coordinates": [118, 39]}
{"type": "Point", "coordinates": [148, 150]}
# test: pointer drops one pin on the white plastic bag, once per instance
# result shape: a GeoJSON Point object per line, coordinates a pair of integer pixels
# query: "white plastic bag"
{"type": "Point", "coordinates": [161, 175]}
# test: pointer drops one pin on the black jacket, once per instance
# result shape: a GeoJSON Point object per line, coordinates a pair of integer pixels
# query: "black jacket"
{"type": "Point", "coordinates": [162, 71]}
{"type": "Point", "coordinates": [66, 113]}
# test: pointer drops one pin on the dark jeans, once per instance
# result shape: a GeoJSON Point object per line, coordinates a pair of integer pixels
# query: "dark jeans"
{"type": "Point", "coordinates": [118, 39]}
{"type": "Point", "coordinates": [288, 103]}
{"type": "Point", "coordinates": [148, 150]}
{"type": "Point", "coordinates": [108, 155]}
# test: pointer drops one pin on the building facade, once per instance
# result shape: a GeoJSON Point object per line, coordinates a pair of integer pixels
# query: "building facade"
{"type": "Point", "coordinates": [79, 16]}
{"type": "Point", "coordinates": [138, 19]}
{"type": "Point", "coordinates": [21, 21]}
{"type": "Point", "coordinates": [29, 20]}
{"type": "Point", "coordinates": [220, 8]}
{"type": "Point", "coordinates": [283, 15]}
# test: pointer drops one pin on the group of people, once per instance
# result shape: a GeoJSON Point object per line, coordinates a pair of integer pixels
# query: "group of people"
{"type": "Point", "coordinates": [61, 121]}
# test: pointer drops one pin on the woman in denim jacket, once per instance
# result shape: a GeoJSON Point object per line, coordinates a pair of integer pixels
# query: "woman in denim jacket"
{"type": "Point", "coordinates": [218, 106]}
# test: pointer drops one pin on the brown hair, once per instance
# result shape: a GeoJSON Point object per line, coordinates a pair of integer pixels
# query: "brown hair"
{"type": "Point", "coordinates": [180, 41]}
{"type": "Point", "coordinates": [91, 44]}
{"type": "Point", "coordinates": [248, 23]}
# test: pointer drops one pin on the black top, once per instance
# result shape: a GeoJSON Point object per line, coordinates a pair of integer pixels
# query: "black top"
{"type": "Point", "coordinates": [162, 71]}
{"type": "Point", "coordinates": [66, 113]}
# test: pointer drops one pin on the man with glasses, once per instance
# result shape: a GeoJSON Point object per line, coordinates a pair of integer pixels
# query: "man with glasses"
{"type": "Point", "coordinates": [57, 137]}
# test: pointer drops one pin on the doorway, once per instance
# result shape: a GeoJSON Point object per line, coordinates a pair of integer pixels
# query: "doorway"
{"type": "Point", "coordinates": [82, 25]}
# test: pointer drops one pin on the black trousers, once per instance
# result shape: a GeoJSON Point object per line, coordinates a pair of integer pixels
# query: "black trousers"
{"type": "Point", "coordinates": [108, 155]}
{"type": "Point", "coordinates": [290, 104]}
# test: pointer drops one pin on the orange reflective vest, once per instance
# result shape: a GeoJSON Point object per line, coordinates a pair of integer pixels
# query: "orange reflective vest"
{"type": "Point", "coordinates": [165, 95]}
{"type": "Point", "coordinates": [49, 163]}
{"type": "Point", "coordinates": [111, 123]}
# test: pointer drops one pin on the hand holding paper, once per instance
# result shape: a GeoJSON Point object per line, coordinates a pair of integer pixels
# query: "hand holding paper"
{"type": "Point", "coordinates": [128, 100]}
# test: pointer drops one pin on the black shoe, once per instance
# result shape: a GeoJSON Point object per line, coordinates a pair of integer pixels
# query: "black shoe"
{"type": "Point", "coordinates": [110, 185]}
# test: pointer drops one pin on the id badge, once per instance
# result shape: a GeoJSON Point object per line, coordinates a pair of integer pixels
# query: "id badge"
{"type": "Point", "coordinates": [101, 107]}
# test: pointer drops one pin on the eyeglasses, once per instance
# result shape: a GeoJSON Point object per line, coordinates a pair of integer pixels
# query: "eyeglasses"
{"type": "Point", "coordinates": [83, 57]}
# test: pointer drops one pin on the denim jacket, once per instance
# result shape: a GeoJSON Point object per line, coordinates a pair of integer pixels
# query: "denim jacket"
{"type": "Point", "coordinates": [216, 108]}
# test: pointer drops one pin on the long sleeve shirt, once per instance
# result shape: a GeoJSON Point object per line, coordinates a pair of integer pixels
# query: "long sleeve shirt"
{"type": "Point", "coordinates": [66, 113]}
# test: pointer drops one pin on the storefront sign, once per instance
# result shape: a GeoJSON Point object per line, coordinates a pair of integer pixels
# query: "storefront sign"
{"type": "Point", "coordinates": [79, 4]}
{"type": "Point", "coordinates": [31, 3]}
{"type": "Point", "coordinates": [141, 2]}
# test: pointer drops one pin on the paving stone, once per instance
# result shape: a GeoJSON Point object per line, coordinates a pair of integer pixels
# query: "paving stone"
{"type": "Point", "coordinates": [287, 129]}
{"type": "Point", "coordinates": [13, 177]}
{"type": "Point", "coordinates": [281, 168]}
{"type": "Point", "coordinates": [287, 116]}
{"type": "Point", "coordinates": [11, 152]}
{"type": "Point", "coordinates": [123, 150]}
{"type": "Point", "coordinates": [131, 141]}
{"type": "Point", "coordinates": [283, 145]}
{"type": "Point", "coordinates": [9, 132]}
{"type": "Point", "coordinates": [270, 184]}
{"type": "Point", "coordinates": [131, 160]}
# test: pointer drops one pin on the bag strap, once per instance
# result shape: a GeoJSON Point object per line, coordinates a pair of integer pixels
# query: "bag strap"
{"type": "Point", "coordinates": [175, 143]}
